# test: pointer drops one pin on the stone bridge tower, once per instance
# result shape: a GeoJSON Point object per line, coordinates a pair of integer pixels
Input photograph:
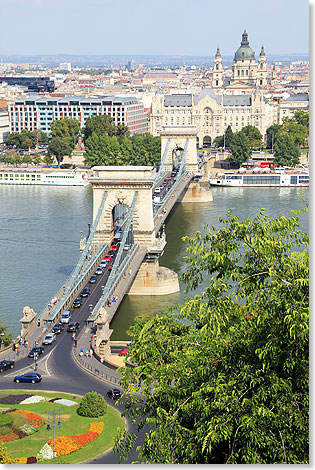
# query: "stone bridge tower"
{"type": "Point", "coordinates": [177, 137]}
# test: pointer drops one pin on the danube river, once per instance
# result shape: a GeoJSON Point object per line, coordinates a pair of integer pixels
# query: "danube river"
{"type": "Point", "coordinates": [40, 233]}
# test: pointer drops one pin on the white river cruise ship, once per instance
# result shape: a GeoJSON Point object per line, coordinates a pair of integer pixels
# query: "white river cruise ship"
{"type": "Point", "coordinates": [56, 178]}
{"type": "Point", "coordinates": [294, 179]}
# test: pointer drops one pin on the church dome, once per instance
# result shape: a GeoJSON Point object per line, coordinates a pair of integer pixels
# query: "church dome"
{"type": "Point", "coordinates": [244, 51]}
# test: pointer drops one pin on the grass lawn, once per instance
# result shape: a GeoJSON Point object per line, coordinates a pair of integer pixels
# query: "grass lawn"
{"type": "Point", "coordinates": [72, 423]}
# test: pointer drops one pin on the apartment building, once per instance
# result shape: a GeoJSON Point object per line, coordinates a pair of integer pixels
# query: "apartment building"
{"type": "Point", "coordinates": [39, 112]}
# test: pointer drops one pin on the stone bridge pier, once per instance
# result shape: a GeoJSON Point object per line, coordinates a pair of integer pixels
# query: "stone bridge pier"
{"type": "Point", "coordinates": [121, 183]}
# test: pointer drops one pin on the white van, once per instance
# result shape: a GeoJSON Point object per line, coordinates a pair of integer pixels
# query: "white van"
{"type": "Point", "coordinates": [65, 317]}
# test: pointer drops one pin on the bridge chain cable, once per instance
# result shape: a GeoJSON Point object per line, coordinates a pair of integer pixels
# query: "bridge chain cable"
{"type": "Point", "coordinates": [113, 274]}
{"type": "Point", "coordinates": [80, 270]}
{"type": "Point", "coordinates": [161, 173]}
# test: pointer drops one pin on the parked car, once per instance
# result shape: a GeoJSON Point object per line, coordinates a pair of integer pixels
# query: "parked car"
{"type": "Point", "coordinates": [73, 326]}
{"type": "Point", "coordinates": [30, 377]}
{"type": "Point", "coordinates": [114, 393]}
{"type": "Point", "coordinates": [49, 338]}
{"type": "Point", "coordinates": [99, 271]}
{"type": "Point", "coordinates": [93, 279]}
{"type": "Point", "coordinates": [58, 328]}
{"type": "Point", "coordinates": [65, 317]}
{"type": "Point", "coordinates": [36, 350]}
{"type": "Point", "coordinates": [77, 303]}
{"type": "Point", "coordinates": [85, 292]}
{"type": "Point", "coordinates": [4, 365]}
{"type": "Point", "coordinates": [124, 352]}
{"type": "Point", "coordinates": [107, 258]}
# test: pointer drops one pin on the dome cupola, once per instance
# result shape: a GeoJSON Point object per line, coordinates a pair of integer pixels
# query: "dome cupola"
{"type": "Point", "coordinates": [244, 51]}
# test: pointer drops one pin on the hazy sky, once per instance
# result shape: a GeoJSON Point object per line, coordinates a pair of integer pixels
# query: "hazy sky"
{"type": "Point", "coordinates": [171, 27]}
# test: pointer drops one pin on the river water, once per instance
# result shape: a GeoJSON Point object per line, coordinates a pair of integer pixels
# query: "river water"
{"type": "Point", "coordinates": [40, 233]}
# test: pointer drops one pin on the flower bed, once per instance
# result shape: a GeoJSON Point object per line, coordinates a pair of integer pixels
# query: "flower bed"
{"type": "Point", "coordinates": [14, 399]}
{"type": "Point", "coordinates": [64, 445]}
{"type": "Point", "coordinates": [8, 437]}
{"type": "Point", "coordinates": [32, 418]}
{"type": "Point", "coordinates": [33, 399]}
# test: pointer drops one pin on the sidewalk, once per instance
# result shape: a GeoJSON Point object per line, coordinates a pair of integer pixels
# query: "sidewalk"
{"type": "Point", "coordinates": [37, 336]}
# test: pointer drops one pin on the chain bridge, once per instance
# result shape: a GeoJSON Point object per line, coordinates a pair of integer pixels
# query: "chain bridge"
{"type": "Point", "coordinates": [130, 207]}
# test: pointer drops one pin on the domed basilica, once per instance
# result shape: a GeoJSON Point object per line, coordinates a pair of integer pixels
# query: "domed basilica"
{"type": "Point", "coordinates": [247, 73]}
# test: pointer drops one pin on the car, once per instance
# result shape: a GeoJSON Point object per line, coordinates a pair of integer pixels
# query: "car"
{"type": "Point", "coordinates": [99, 271]}
{"type": "Point", "coordinates": [169, 177]}
{"type": "Point", "coordinates": [107, 258]}
{"type": "Point", "coordinates": [49, 338]}
{"type": "Point", "coordinates": [85, 292]}
{"type": "Point", "coordinates": [92, 279]}
{"type": "Point", "coordinates": [73, 326]}
{"type": "Point", "coordinates": [58, 328]}
{"type": "Point", "coordinates": [103, 264]}
{"type": "Point", "coordinates": [30, 377]}
{"type": "Point", "coordinates": [114, 248]}
{"type": "Point", "coordinates": [114, 393]}
{"type": "Point", "coordinates": [77, 303]}
{"type": "Point", "coordinates": [4, 365]}
{"type": "Point", "coordinates": [127, 247]}
{"type": "Point", "coordinates": [124, 352]}
{"type": "Point", "coordinates": [65, 317]}
{"type": "Point", "coordinates": [157, 190]}
{"type": "Point", "coordinates": [36, 350]}
{"type": "Point", "coordinates": [112, 252]}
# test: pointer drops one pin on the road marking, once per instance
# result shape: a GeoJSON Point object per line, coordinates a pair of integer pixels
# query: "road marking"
{"type": "Point", "coordinates": [39, 362]}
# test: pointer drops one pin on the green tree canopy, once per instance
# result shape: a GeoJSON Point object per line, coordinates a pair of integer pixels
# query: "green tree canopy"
{"type": "Point", "coordinates": [298, 132]}
{"type": "Point", "coordinates": [286, 152]}
{"type": "Point", "coordinates": [271, 133]}
{"type": "Point", "coordinates": [302, 117]}
{"type": "Point", "coordinates": [59, 147]}
{"type": "Point", "coordinates": [254, 135]}
{"type": "Point", "coordinates": [224, 377]}
{"type": "Point", "coordinates": [7, 338]}
{"type": "Point", "coordinates": [13, 139]}
{"type": "Point", "coordinates": [228, 136]}
{"type": "Point", "coordinates": [99, 125]}
{"type": "Point", "coordinates": [66, 129]}
{"type": "Point", "coordinates": [218, 141]}
{"type": "Point", "coordinates": [241, 147]}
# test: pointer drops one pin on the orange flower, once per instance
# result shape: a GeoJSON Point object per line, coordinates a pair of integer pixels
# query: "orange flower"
{"type": "Point", "coordinates": [21, 460]}
{"type": "Point", "coordinates": [97, 427]}
{"type": "Point", "coordinates": [64, 445]}
{"type": "Point", "coordinates": [32, 418]}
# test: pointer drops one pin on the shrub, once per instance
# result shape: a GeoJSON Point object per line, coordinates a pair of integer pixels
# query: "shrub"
{"type": "Point", "coordinates": [5, 420]}
{"type": "Point", "coordinates": [31, 460]}
{"type": "Point", "coordinates": [92, 405]}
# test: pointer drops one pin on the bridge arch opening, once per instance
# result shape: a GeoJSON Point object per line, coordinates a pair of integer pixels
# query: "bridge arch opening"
{"type": "Point", "coordinates": [177, 155]}
{"type": "Point", "coordinates": [207, 141]}
{"type": "Point", "coordinates": [119, 213]}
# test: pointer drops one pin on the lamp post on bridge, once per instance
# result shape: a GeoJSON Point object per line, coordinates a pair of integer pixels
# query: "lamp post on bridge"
{"type": "Point", "coordinates": [2, 343]}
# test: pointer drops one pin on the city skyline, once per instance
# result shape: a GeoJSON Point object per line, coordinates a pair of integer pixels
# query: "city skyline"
{"type": "Point", "coordinates": [170, 28]}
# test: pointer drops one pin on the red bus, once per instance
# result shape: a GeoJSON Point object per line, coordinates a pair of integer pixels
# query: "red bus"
{"type": "Point", "coordinates": [267, 165]}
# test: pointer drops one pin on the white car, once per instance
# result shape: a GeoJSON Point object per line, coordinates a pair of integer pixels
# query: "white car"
{"type": "Point", "coordinates": [103, 264]}
{"type": "Point", "coordinates": [49, 338]}
{"type": "Point", "coordinates": [99, 271]}
{"type": "Point", "coordinates": [65, 317]}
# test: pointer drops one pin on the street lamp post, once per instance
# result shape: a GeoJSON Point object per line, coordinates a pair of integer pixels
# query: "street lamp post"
{"type": "Point", "coordinates": [52, 415]}
{"type": "Point", "coordinates": [2, 343]}
{"type": "Point", "coordinates": [35, 361]}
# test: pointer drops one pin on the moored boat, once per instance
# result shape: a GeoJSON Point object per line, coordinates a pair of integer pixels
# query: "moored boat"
{"type": "Point", "coordinates": [294, 179]}
{"type": "Point", "coordinates": [18, 177]}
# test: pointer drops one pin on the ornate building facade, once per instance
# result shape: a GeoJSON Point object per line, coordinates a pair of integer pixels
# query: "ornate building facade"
{"type": "Point", "coordinates": [210, 113]}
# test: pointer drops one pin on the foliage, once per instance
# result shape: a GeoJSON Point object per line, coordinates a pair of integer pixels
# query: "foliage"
{"type": "Point", "coordinates": [224, 377]}
{"type": "Point", "coordinates": [59, 147]}
{"type": "Point", "coordinates": [66, 129]}
{"type": "Point", "coordinates": [47, 159]}
{"type": "Point", "coordinates": [65, 445]}
{"type": "Point", "coordinates": [218, 141]}
{"type": "Point", "coordinates": [14, 399]}
{"type": "Point", "coordinates": [137, 150]}
{"type": "Point", "coordinates": [32, 418]}
{"type": "Point", "coordinates": [5, 420]}
{"type": "Point", "coordinates": [302, 118]}
{"type": "Point", "coordinates": [92, 405]}
{"type": "Point", "coordinates": [99, 125]}
{"type": "Point", "coordinates": [286, 153]}
{"type": "Point", "coordinates": [7, 338]}
{"type": "Point", "coordinates": [5, 457]}
{"type": "Point", "coordinates": [28, 429]}
{"type": "Point", "coordinates": [26, 138]}
{"type": "Point", "coordinates": [298, 132]}
{"type": "Point", "coordinates": [241, 147]}
{"type": "Point", "coordinates": [254, 135]}
{"type": "Point", "coordinates": [271, 133]}
{"type": "Point", "coordinates": [228, 136]}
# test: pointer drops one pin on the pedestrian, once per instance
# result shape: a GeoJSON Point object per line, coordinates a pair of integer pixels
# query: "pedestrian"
{"type": "Point", "coordinates": [73, 336]}
{"type": "Point", "coordinates": [107, 302]}
{"type": "Point", "coordinates": [92, 337]}
{"type": "Point", "coordinates": [87, 353]}
{"type": "Point", "coordinates": [16, 346]}
{"type": "Point", "coordinates": [13, 347]}
{"type": "Point", "coordinates": [110, 303]}
{"type": "Point", "coordinates": [124, 276]}
{"type": "Point", "coordinates": [130, 271]}
{"type": "Point", "coordinates": [116, 298]}
{"type": "Point", "coordinates": [26, 343]}
{"type": "Point", "coordinates": [18, 351]}
{"type": "Point", "coordinates": [102, 359]}
{"type": "Point", "coordinates": [91, 352]}
{"type": "Point", "coordinates": [38, 322]}
{"type": "Point", "coordinates": [75, 342]}
{"type": "Point", "coordinates": [81, 352]}
{"type": "Point", "coordinates": [21, 341]}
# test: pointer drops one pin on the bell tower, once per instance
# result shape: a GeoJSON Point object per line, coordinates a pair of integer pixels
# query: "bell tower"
{"type": "Point", "coordinates": [261, 80]}
{"type": "Point", "coordinates": [217, 78]}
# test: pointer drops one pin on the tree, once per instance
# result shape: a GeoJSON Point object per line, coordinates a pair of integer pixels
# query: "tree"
{"type": "Point", "coordinates": [67, 130]}
{"type": "Point", "coordinates": [59, 147]}
{"type": "Point", "coordinates": [13, 139]}
{"type": "Point", "coordinates": [286, 153]}
{"type": "Point", "coordinates": [241, 147]}
{"type": "Point", "coordinates": [228, 136]}
{"type": "Point", "coordinates": [122, 131]}
{"type": "Point", "coordinates": [302, 118]}
{"type": "Point", "coordinates": [219, 141]}
{"type": "Point", "coordinates": [298, 132]}
{"type": "Point", "coordinates": [37, 160]}
{"type": "Point", "coordinates": [271, 133]}
{"type": "Point", "coordinates": [27, 139]}
{"type": "Point", "coordinates": [7, 338]}
{"type": "Point", "coordinates": [224, 377]}
{"type": "Point", "coordinates": [17, 159]}
{"type": "Point", "coordinates": [47, 159]}
{"type": "Point", "coordinates": [254, 135]}
{"type": "Point", "coordinates": [100, 125]}
{"type": "Point", "coordinates": [27, 159]}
